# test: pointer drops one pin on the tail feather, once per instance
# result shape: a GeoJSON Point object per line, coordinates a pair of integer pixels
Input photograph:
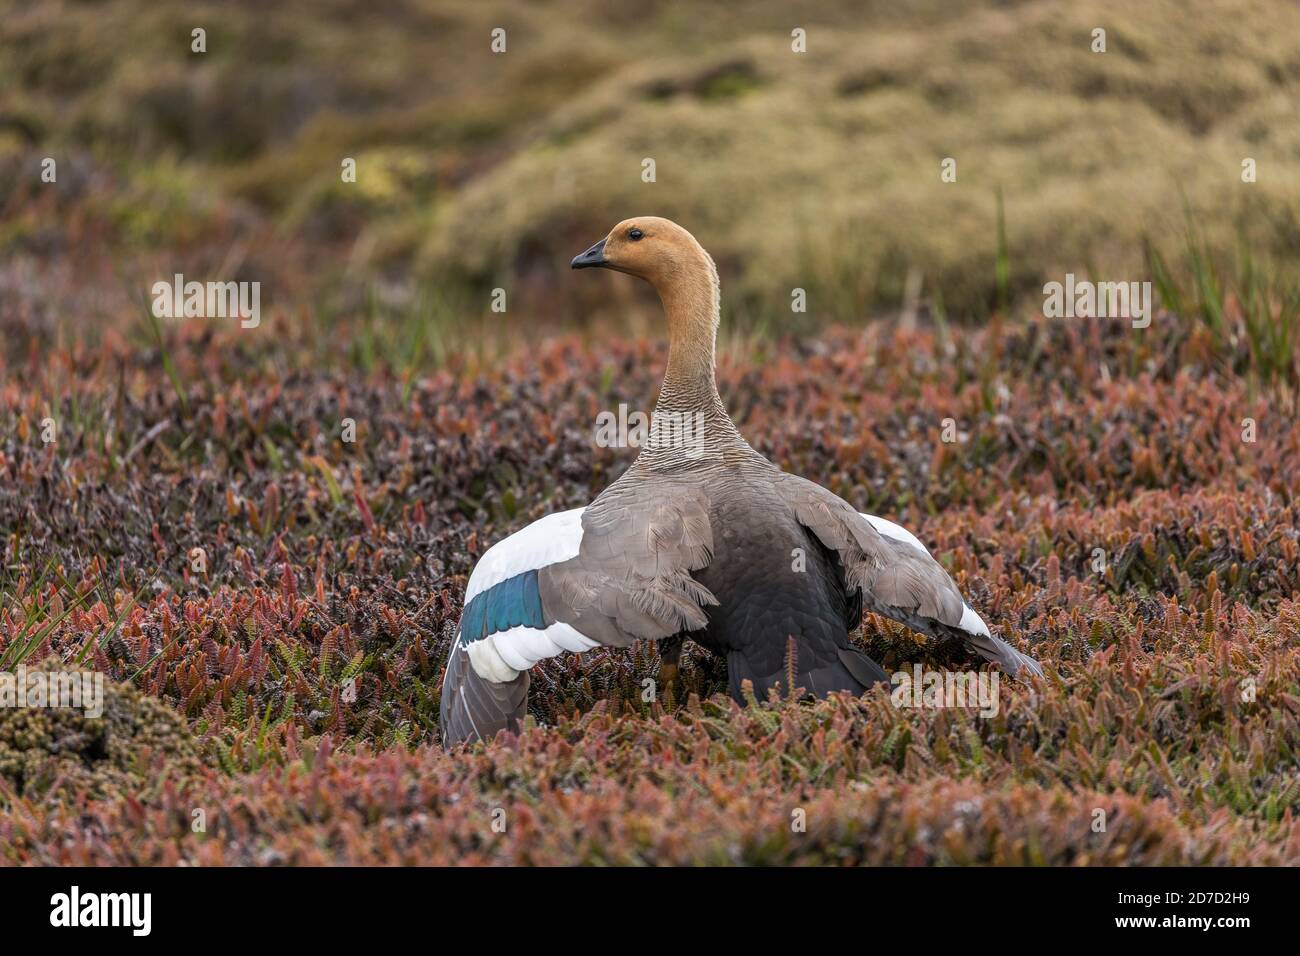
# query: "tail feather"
{"type": "Point", "coordinates": [473, 708]}
{"type": "Point", "coordinates": [975, 641]}
{"type": "Point", "coordinates": [997, 651]}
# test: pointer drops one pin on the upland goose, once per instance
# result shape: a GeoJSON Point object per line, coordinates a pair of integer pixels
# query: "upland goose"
{"type": "Point", "coordinates": [702, 537]}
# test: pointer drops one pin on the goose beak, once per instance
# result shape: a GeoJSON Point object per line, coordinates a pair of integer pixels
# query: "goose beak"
{"type": "Point", "coordinates": [595, 256]}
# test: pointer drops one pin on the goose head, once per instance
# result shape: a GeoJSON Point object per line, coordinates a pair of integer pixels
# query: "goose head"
{"type": "Point", "coordinates": [648, 247]}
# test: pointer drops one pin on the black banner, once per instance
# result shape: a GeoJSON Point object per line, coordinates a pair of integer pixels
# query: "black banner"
{"type": "Point", "coordinates": [334, 906]}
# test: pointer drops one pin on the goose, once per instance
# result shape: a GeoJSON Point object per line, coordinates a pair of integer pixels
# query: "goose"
{"type": "Point", "coordinates": [701, 538]}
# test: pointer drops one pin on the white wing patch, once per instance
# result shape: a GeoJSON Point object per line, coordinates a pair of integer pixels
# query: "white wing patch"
{"type": "Point", "coordinates": [547, 540]}
{"type": "Point", "coordinates": [970, 622]}
{"type": "Point", "coordinates": [500, 657]}
{"type": "Point", "coordinates": [895, 531]}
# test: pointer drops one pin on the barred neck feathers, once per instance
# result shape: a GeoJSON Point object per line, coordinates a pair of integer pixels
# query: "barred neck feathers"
{"type": "Point", "coordinates": [690, 422]}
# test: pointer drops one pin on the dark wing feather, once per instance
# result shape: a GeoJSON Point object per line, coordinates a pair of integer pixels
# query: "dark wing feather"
{"type": "Point", "coordinates": [896, 579]}
{"type": "Point", "coordinates": [476, 709]}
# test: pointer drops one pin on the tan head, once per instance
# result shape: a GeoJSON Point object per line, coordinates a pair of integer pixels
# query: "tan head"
{"type": "Point", "coordinates": [651, 248]}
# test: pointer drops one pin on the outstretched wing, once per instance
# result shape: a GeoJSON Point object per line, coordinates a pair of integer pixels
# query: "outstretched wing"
{"type": "Point", "coordinates": [614, 572]}
{"type": "Point", "coordinates": [896, 575]}
{"type": "Point", "coordinates": [503, 630]}
{"type": "Point", "coordinates": [631, 579]}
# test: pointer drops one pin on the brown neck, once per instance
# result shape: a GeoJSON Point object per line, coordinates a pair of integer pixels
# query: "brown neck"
{"type": "Point", "coordinates": [691, 305]}
{"type": "Point", "coordinates": [689, 396]}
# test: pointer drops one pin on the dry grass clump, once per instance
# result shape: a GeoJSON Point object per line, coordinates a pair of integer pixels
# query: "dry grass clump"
{"type": "Point", "coordinates": [820, 172]}
{"type": "Point", "coordinates": [53, 752]}
{"type": "Point", "coordinates": [475, 170]}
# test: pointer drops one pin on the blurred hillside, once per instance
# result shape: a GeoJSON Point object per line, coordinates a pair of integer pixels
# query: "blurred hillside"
{"type": "Point", "coordinates": [476, 169]}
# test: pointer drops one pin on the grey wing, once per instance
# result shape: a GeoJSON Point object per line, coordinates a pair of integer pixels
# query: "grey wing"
{"type": "Point", "coordinates": [896, 575]}
{"type": "Point", "coordinates": [631, 579]}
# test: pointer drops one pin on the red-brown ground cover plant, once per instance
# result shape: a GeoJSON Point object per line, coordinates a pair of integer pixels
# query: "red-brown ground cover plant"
{"type": "Point", "coordinates": [199, 532]}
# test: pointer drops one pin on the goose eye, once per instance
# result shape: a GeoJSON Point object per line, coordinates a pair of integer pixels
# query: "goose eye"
{"type": "Point", "coordinates": [635, 234]}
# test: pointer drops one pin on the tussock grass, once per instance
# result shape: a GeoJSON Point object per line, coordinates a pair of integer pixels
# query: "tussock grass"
{"type": "Point", "coordinates": [819, 170]}
{"type": "Point", "coordinates": [1250, 312]}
